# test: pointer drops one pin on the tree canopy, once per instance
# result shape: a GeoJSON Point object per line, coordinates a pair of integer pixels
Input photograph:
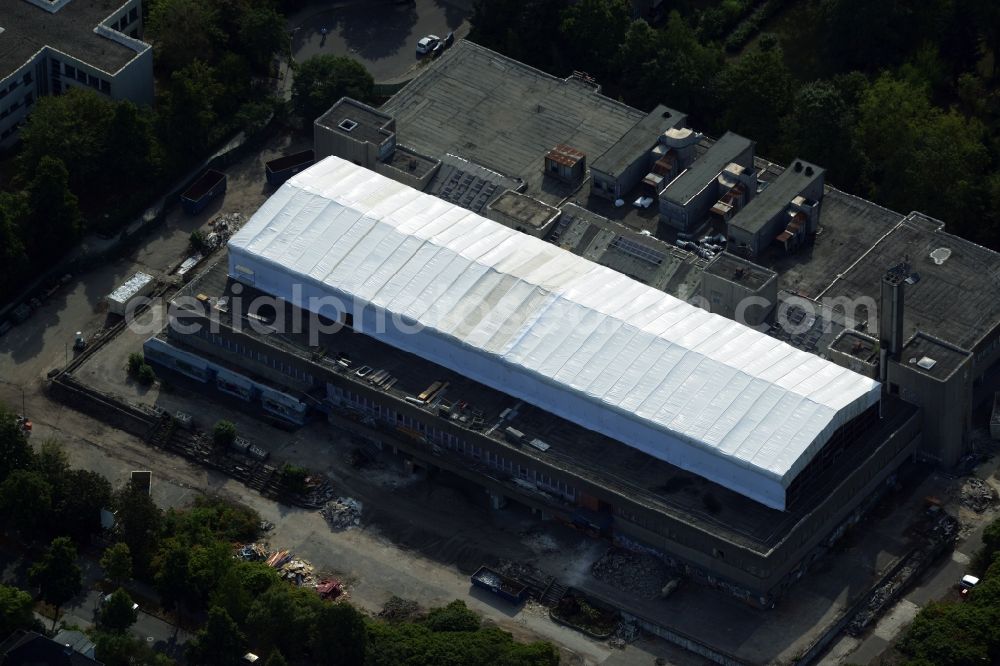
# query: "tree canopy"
{"type": "Point", "coordinates": [322, 80]}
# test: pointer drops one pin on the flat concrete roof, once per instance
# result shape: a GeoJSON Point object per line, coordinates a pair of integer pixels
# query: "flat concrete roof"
{"type": "Point", "coordinates": [575, 450]}
{"type": "Point", "coordinates": [776, 196]}
{"type": "Point", "coordinates": [739, 271]}
{"type": "Point", "coordinates": [621, 248]}
{"type": "Point", "coordinates": [411, 162]}
{"type": "Point", "coordinates": [955, 301]}
{"type": "Point", "coordinates": [860, 346]}
{"type": "Point", "coordinates": [706, 168]}
{"type": "Point", "coordinates": [923, 350]}
{"type": "Point", "coordinates": [468, 184]}
{"type": "Point", "coordinates": [27, 28]}
{"type": "Point", "coordinates": [356, 120]}
{"type": "Point", "coordinates": [506, 116]}
{"type": "Point", "coordinates": [638, 140]}
{"type": "Point", "coordinates": [527, 210]}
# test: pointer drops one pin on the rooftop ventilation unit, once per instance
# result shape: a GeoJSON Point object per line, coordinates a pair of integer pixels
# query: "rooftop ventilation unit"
{"type": "Point", "coordinates": [926, 362]}
{"type": "Point", "coordinates": [347, 124]}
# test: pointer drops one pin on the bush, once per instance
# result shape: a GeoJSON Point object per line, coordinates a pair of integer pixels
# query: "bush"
{"type": "Point", "coordinates": [146, 375]}
{"type": "Point", "coordinates": [293, 478]}
{"type": "Point", "coordinates": [135, 362]}
{"type": "Point", "coordinates": [197, 240]}
{"type": "Point", "coordinates": [224, 434]}
{"type": "Point", "coordinates": [453, 617]}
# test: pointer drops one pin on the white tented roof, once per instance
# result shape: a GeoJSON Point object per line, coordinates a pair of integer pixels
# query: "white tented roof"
{"type": "Point", "coordinates": [558, 331]}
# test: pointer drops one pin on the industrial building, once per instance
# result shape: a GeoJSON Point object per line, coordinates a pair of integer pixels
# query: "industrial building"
{"type": "Point", "coordinates": [556, 362]}
{"type": "Point", "coordinates": [50, 46]}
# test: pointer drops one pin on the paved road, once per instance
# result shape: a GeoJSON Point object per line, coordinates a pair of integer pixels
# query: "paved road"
{"type": "Point", "coordinates": [382, 35]}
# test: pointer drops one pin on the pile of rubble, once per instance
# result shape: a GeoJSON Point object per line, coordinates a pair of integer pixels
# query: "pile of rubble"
{"type": "Point", "coordinates": [226, 224]}
{"type": "Point", "coordinates": [626, 632]}
{"type": "Point", "coordinates": [397, 609]}
{"type": "Point", "coordinates": [637, 573]}
{"type": "Point", "coordinates": [342, 513]}
{"type": "Point", "coordinates": [977, 494]}
{"type": "Point", "coordinates": [252, 552]}
{"type": "Point", "coordinates": [319, 490]}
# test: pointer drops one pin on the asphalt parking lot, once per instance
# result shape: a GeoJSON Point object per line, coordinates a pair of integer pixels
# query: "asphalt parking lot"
{"type": "Point", "coordinates": [382, 35]}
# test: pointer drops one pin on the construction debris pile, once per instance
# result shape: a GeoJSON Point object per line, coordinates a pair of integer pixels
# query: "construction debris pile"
{"type": "Point", "coordinates": [295, 570]}
{"type": "Point", "coordinates": [936, 535]}
{"type": "Point", "coordinates": [626, 632]}
{"type": "Point", "coordinates": [342, 513]}
{"type": "Point", "coordinates": [397, 609]}
{"type": "Point", "coordinates": [977, 494]}
{"type": "Point", "coordinates": [226, 224]}
{"type": "Point", "coordinates": [319, 491]}
{"type": "Point", "coordinates": [640, 574]}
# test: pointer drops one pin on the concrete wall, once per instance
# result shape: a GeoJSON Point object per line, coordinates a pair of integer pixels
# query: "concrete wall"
{"type": "Point", "coordinates": [945, 407]}
{"type": "Point", "coordinates": [727, 298]}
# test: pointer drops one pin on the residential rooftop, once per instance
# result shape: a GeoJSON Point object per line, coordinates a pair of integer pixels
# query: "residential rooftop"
{"type": "Point", "coordinates": [776, 196]}
{"type": "Point", "coordinates": [638, 140]}
{"type": "Point", "coordinates": [506, 116]}
{"type": "Point", "coordinates": [573, 449]}
{"type": "Point", "coordinates": [706, 168]}
{"type": "Point", "coordinates": [26, 28]}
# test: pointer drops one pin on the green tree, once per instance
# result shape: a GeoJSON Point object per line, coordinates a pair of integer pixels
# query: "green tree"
{"type": "Point", "coordinates": [118, 612]}
{"type": "Point", "coordinates": [756, 92]}
{"type": "Point", "coordinates": [224, 434]}
{"type": "Point", "coordinates": [275, 659]}
{"type": "Point", "coordinates": [78, 502]}
{"type": "Point", "coordinates": [26, 501]}
{"type": "Point", "coordinates": [117, 563]}
{"type": "Point", "coordinates": [57, 575]}
{"type": "Point", "coordinates": [901, 132]}
{"type": "Point", "coordinates": [138, 523]}
{"type": "Point", "coordinates": [121, 649]}
{"type": "Point", "coordinates": [592, 31]}
{"type": "Point", "coordinates": [293, 478]}
{"type": "Point", "coordinates": [820, 129]}
{"type": "Point", "coordinates": [262, 33]}
{"type": "Point", "coordinates": [187, 111]}
{"type": "Point", "coordinates": [183, 31]}
{"type": "Point", "coordinates": [456, 616]}
{"type": "Point", "coordinates": [521, 29]}
{"type": "Point", "coordinates": [72, 127]}
{"type": "Point", "coordinates": [171, 571]}
{"type": "Point", "coordinates": [15, 452]}
{"type": "Point", "coordinates": [282, 617]}
{"type": "Point", "coordinates": [16, 610]}
{"type": "Point", "coordinates": [55, 210]}
{"type": "Point", "coordinates": [322, 80]}
{"type": "Point", "coordinates": [219, 643]}
{"type": "Point", "coordinates": [13, 253]}
{"type": "Point", "coordinates": [338, 636]}
{"type": "Point", "coordinates": [668, 66]}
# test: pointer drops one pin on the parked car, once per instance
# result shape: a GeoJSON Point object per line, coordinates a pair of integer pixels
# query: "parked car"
{"type": "Point", "coordinates": [437, 50]}
{"type": "Point", "coordinates": [427, 44]}
{"type": "Point", "coordinates": [449, 39]}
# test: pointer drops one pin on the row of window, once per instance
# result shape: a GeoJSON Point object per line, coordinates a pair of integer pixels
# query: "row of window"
{"type": "Point", "coordinates": [452, 442]}
{"type": "Point", "coordinates": [126, 20]}
{"type": "Point", "coordinates": [254, 355]}
{"type": "Point", "coordinates": [26, 79]}
{"type": "Point", "coordinates": [28, 100]}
